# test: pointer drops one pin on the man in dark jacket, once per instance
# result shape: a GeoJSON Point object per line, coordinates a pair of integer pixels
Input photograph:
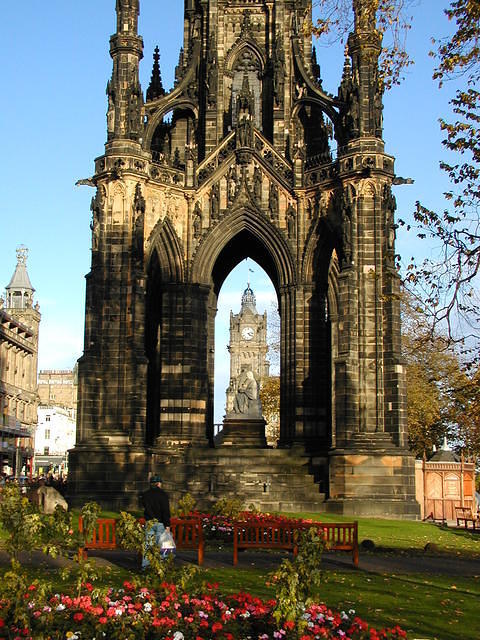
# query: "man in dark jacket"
{"type": "Point", "coordinates": [156, 507]}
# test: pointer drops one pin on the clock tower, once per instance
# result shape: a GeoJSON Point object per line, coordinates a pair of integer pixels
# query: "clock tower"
{"type": "Point", "coordinates": [248, 343]}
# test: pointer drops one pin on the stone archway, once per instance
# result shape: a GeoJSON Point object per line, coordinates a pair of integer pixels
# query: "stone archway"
{"type": "Point", "coordinates": [248, 233]}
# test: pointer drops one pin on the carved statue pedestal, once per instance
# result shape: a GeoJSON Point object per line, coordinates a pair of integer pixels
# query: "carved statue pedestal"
{"type": "Point", "coordinates": [244, 432]}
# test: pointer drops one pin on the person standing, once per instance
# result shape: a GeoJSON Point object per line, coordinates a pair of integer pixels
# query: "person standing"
{"type": "Point", "coordinates": [156, 506]}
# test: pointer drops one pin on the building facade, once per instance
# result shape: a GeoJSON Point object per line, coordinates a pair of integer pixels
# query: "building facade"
{"type": "Point", "coordinates": [19, 329]}
{"type": "Point", "coordinates": [57, 411]}
{"type": "Point", "coordinates": [58, 388]}
{"type": "Point", "coordinates": [54, 437]}
{"type": "Point", "coordinates": [247, 156]}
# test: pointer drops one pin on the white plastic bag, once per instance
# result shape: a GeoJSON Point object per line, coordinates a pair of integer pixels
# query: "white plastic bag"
{"type": "Point", "coordinates": [167, 544]}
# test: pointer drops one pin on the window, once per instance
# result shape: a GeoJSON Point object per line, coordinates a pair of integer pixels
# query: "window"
{"type": "Point", "coordinates": [47, 418]}
{"type": "Point", "coordinates": [47, 434]}
{"type": "Point", "coordinates": [46, 451]}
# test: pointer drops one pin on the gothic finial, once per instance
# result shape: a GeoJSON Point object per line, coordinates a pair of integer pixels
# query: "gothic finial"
{"type": "Point", "coordinates": [155, 89]}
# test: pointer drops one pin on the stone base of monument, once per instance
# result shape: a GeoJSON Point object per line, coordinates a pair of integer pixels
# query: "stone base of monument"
{"type": "Point", "coordinates": [243, 432]}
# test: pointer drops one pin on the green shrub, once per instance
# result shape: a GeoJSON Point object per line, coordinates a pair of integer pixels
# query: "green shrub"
{"type": "Point", "coordinates": [185, 505]}
{"type": "Point", "coordinates": [296, 581]}
{"type": "Point", "coordinates": [89, 514]}
{"type": "Point", "coordinates": [20, 520]}
{"type": "Point", "coordinates": [228, 507]}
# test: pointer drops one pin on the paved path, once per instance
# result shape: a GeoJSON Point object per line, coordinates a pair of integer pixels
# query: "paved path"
{"type": "Point", "coordinates": [377, 562]}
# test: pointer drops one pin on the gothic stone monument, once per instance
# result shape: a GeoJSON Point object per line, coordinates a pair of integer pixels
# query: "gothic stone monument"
{"type": "Point", "coordinates": [248, 155]}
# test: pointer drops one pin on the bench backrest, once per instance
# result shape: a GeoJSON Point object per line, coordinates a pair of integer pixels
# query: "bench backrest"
{"type": "Point", "coordinates": [338, 536]}
{"type": "Point", "coordinates": [268, 534]}
{"type": "Point", "coordinates": [103, 536]}
{"type": "Point", "coordinates": [187, 533]}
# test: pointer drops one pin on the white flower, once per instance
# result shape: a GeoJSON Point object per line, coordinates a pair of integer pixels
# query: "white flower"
{"type": "Point", "coordinates": [118, 612]}
{"type": "Point", "coordinates": [147, 606]}
{"type": "Point", "coordinates": [178, 635]}
{"type": "Point", "coordinates": [60, 607]}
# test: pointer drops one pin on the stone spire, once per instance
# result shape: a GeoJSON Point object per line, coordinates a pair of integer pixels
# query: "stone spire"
{"type": "Point", "coordinates": [125, 99]}
{"type": "Point", "coordinates": [19, 290]}
{"type": "Point", "coordinates": [155, 89]}
{"type": "Point", "coordinates": [364, 47]}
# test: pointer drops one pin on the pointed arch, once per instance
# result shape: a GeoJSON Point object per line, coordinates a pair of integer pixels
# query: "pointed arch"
{"type": "Point", "coordinates": [265, 240]}
{"type": "Point", "coordinates": [238, 49]}
{"type": "Point", "coordinates": [156, 117]}
{"type": "Point", "coordinates": [165, 245]}
{"type": "Point", "coordinates": [319, 249]}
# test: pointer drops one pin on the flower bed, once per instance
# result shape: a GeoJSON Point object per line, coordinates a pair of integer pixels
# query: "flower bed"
{"type": "Point", "coordinates": [139, 613]}
{"type": "Point", "coordinates": [220, 527]}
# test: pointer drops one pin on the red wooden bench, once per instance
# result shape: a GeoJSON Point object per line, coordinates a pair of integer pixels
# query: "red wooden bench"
{"type": "Point", "coordinates": [466, 515]}
{"type": "Point", "coordinates": [274, 535]}
{"type": "Point", "coordinates": [187, 533]}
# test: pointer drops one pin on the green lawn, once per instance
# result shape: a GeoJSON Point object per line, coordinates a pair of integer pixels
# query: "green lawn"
{"type": "Point", "coordinates": [439, 607]}
{"type": "Point", "coordinates": [406, 536]}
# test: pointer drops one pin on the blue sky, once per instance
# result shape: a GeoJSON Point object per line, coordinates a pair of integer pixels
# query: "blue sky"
{"type": "Point", "coordinates": [55, 62]}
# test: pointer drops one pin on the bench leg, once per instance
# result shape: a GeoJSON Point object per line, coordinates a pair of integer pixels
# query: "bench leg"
{"type": "Point", "coordinates": [200, 555]}
{"type": "Point", "coordinates": [355, 557]}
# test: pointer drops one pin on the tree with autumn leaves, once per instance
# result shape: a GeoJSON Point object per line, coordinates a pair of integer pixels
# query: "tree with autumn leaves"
{"type": "Point", "coordinates": [443, 399]}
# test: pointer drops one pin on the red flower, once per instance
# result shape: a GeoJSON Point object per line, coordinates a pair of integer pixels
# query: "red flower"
{"type": "Point", "coordinates": [77, 617]}
{"type": "Point", "coordinates": [216, 626]}
{"type": "Point", "coordinates": [2, 622]}
{"type": "Point", "coordinates": [103, 620]}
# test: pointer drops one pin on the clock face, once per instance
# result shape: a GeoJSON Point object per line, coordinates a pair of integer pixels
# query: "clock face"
{"type": "Point", "coordinates": [247, 333]}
